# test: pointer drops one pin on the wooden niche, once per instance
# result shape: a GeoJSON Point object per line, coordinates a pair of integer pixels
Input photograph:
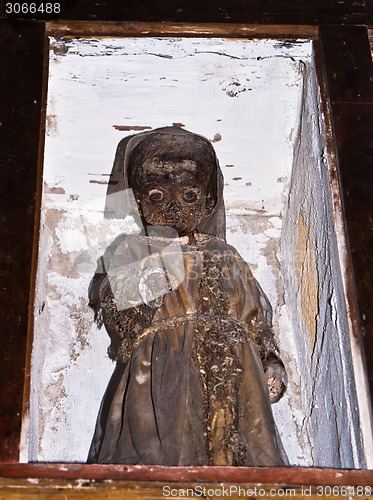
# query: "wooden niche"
{"type": "Point", "coordinates": [261, 95]}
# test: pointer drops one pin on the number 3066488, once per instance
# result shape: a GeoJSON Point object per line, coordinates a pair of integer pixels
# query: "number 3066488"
{"type": "Point", "coordinates": [33, 8]}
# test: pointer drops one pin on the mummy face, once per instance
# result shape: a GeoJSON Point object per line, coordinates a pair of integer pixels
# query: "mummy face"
{"type": "Point", "coordinates": [172, 193]}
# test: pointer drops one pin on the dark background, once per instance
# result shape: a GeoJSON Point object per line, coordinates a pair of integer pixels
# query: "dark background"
{"type": "Point", "coordinates": [314, 12]}
{"type": "Point", "coordinates": [346, 59]}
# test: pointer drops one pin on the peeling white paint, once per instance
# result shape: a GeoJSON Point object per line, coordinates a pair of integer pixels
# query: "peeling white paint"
{"type": "Point", "coordinates": [187, 86]}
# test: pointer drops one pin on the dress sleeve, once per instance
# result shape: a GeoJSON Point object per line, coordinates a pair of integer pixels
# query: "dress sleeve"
{"type": "Point", "coordinates": [121, 323]}
{"type": "Point", "coordinates": [273, 366]}
{"type": "Point", "coordinates": [124, 325]}
{"type": "Point", "coordinates": [248, 303]}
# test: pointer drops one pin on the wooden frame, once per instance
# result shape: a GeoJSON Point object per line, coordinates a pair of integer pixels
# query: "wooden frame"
{"type": "Point", "coordinates": [338, 100]}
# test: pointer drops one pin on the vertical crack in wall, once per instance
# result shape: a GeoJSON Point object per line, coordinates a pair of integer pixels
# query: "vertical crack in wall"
{"type": "Point", "coordinates": [308, 296]}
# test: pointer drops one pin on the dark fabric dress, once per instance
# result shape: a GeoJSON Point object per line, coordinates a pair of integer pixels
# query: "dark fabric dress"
{"type": "Point", "coordinates": [189, 387]}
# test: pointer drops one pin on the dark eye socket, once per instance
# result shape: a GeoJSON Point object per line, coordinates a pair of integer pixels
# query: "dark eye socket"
{"type": "Point", "coordinates": [190, 196]}
{"type": "Point", "coordinates": [155, 195]}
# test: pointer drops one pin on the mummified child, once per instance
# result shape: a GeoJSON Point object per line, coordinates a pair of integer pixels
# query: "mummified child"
{"type": "Point", "coordinates": [193, 363]}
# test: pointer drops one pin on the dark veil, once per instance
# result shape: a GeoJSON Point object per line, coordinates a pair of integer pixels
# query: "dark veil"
{"type": "Point", "coordinates": [214, 224]}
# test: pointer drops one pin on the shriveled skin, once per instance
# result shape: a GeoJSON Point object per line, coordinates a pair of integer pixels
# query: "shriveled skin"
{"type": "Point", "coordinates": [172, 194]}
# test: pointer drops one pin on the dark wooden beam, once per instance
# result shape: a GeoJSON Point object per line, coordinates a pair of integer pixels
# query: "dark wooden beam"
{"type": "Point", "coordinates": [289, 476]}
{"type": "Point", "coordinates": [296, 12]}
{"type": "Point", "coordinates": [21, 62]}
{"type": "Point", "coordinates": [230, 11]}
{"type": "Point", "coordinates": [142, 29]}
{"type": "Point", "coordinates": [349, 81]}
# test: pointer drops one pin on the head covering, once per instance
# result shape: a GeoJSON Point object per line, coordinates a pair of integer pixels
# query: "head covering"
{"type": "Point", "coordinates": [117, 205]}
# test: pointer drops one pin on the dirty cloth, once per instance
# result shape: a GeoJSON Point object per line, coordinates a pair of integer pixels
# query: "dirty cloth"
{"type": "Point", "coordinates": [189, 386]}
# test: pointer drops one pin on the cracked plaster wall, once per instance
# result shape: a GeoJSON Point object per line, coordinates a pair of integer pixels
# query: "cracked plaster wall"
{"type": "Point", "coordinates": [315, 299]}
